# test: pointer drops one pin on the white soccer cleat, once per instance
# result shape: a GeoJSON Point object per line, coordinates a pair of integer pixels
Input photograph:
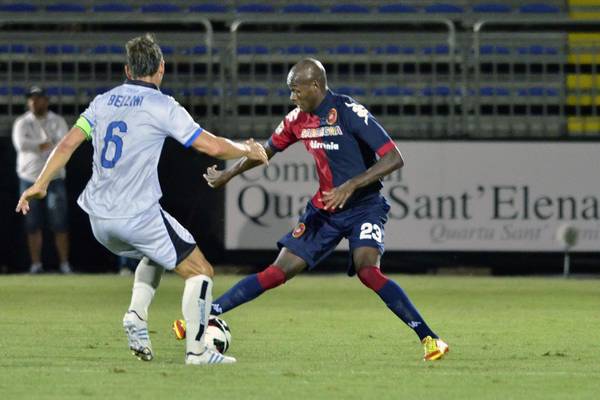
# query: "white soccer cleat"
{"type": "Point", "coordinates": [208, 356]}
{"type": "Point", "coordinates": [138, 336]}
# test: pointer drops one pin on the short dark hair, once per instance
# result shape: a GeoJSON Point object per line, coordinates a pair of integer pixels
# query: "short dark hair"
{"type": "Point", "coordinates": [143, 55]}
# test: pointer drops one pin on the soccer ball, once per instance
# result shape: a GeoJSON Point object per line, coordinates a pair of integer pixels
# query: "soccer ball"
{"type": "Point", "coordinates": [217, 335]}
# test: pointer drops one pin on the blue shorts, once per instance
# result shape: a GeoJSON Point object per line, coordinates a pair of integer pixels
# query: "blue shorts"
{"type": "Point", "coordinates": [318, 232]}
{"type": "Point", "coordinates": [55, 207]}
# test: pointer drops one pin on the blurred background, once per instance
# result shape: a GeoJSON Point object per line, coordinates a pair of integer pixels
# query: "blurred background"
{"type": "Point", "coordinates": [494, 105]}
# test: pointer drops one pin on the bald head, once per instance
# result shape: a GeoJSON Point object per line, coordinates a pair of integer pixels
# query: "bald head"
{"type": "Point", "coordinates": [306, 71]}
{"type": "Point", "coordinates": [307, 81]}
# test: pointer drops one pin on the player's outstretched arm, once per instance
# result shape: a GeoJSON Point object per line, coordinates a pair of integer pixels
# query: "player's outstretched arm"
{"type": "Point", "coordinates": [337, 197]}
{"type": "Point", "coordinates": [217, 178]}
{"type": "Point", "coordinates": [225, 149]}
{"type": "Point", "coordinates": [58, 159]}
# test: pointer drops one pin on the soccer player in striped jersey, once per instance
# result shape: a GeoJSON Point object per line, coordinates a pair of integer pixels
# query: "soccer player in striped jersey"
{"type": "Point", "coordinates": [352, 153]}
{"type": "Point", "coordinates": [127, 127]}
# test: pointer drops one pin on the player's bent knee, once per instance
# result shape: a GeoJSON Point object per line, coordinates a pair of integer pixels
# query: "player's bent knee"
{"type": "Point", "coordinates": [194, 264]}
{"type": "Point", "coordinates": [271, 277]}
{"type": "Point", "coordinates": [372, 277]}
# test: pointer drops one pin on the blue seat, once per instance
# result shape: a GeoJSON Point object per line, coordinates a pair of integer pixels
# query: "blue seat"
{"type": "Point", "coordinates": [101, 90]}
{"type": "Point", "coordinates": [347, 49]}
{"type": "Point", "coordinates": [539, 8]}
{"type": "Point", "coordinates": [494, 91]}
{"type": "Point", "coordinates": [65, 7]}
{"type": "Point", "coordinates": [397, 8]}
{"type": "Point", "coordinates": [252, 91]}
{"type": "Point", "coordinates": [301, 8]}
{"type": "Point", "coordinates": [443, 8]}
{"type": "Point", "coordinates": [168, 91]}
{"type": "Point", "coordinates": [439, 91]}
{"type": "Point", "coordinates": [537, 50]}
{"type": "Point", "coordinates": [12, 91]}
{"type": "Point", "coordinates": [16, 49]}
{"type": "Point", "coordinates": [18, 7]}
{"type": "Point", "coordinates": [167, 50]}
{"type": "Point", "coordinates": [349, 8]}
{"type": "Point", "coordinates": [283, 92]}
{"type": "Point", "coordinates": [489, 49]}
{"type": "Point", "coordinates": [112, 7]}
{"type": "Point", "coordinates": [202, 91]}
{"type": "Point", "coordinates": [61, 49]}
{"type": "Point", "coordinates": [160, 8]}
{"type": "Point", "coordinates": [437, 49]}
{"type": "Point", "coordinates": [108, 49]}
{"type": "Point", "coordinates": [393, 91]}
{"type": "Point", "coordinates": [351, 91]}
{"type": "Point", "coordinates": [208, 8]}
{"type": "Point", "coordinates": [492, 8]}
{"type": "Point", "coordinates": [246, 50]}
{"type": "Point", "coordinates": [538, 91]}
{"type": "Point", "coordinates": [61, 91]}
{"type": "Point", "coordinates": [255, 8]}
{"type": "Point", "coordinates": [392, 49]}
{"type": "Point", "coordinates": [300, 49]}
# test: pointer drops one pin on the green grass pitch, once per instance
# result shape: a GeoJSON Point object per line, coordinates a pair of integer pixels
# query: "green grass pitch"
{"type": "Point", "coordinates": [318, 337]}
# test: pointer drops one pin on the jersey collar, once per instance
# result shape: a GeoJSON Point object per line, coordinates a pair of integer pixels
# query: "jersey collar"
{"type": "Point", "coordinates": [323, 108]}
{"type": "Point", "coordinates": [141, 83]}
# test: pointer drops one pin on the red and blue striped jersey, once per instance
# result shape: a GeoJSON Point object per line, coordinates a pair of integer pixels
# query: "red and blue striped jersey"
{"type": "Point", "coordinates": [342, 136]}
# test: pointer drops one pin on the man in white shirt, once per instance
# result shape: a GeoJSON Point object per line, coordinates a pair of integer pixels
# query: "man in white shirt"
{"type": "Point", "coordinates": [128, 126]}
{"type": "Point", "coordinates": [34, 135]}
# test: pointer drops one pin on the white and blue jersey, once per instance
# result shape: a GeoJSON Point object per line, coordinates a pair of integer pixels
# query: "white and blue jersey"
{"type": "Point", "coordinates": [128, 126]}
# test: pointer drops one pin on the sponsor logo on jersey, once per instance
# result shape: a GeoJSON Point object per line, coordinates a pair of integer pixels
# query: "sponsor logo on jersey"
{"type": "Point", "coordinates": [332, 116]}
{"type": "Point", "coordinates": [298, 230]}
{"type": "Point", "coordinates": [310, 133]}
{"type": "Point", "coordinates": [325, 146]}
{"type": "Point", "coordinates": [359, 110]}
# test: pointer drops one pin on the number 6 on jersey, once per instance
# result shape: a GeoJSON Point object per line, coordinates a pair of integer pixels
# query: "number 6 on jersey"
{"type": "Point", "coordinates": [113, 138]}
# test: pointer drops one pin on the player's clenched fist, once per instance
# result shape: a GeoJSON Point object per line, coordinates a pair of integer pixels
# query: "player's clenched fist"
{"type": "Point", "coordinates": [257, 151]}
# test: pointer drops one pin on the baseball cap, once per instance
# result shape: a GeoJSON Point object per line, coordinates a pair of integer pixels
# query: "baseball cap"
{"type": "Point", "coordinates": [36, 91]}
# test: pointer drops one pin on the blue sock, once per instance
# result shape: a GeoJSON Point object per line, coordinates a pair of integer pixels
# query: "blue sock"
{"type": "Point", "coordinates": [248, 289]}
{"type": "Point", "coordinates": [397, 301]}
{"type": "Point", "coordinates": [245, 290]}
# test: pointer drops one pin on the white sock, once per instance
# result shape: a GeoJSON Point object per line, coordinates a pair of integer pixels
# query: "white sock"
{"type": "Point", "coordinates": [195, 306]}
{"type": "Point", "coordinates": [141, 297]}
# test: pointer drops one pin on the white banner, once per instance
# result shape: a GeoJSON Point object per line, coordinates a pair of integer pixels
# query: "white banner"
{"type": "Point", "coordinates": [464, 196]}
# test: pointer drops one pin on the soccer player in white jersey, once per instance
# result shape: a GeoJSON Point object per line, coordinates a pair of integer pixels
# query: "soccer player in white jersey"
{"type": "Point", "coordinates": [127, 126]}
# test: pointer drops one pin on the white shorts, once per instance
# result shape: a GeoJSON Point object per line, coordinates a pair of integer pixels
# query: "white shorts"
{"type": "Point", "coordinates": [153, 233]}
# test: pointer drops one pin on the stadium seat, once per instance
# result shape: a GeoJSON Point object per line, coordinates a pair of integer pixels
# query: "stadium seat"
{"type": "Point", "coordinates": [167, 50]}
{"type": "Point", "coordinates": [201, 49]}
{"type": "Point", "coordinates": [351, 91]}
{"type": "Point", "coordinates": [492, 8]}
{"type": "Point", "coordinates": [252, 91]}
{"type": "Point", "coordinates": [539, 8]}
{"type": "Point", "coordinates": [494, 91]}
{"type": "Point", "coordinates": [16, 49]}
{"type": "Point", "coordinates": [349, 8]}
{"type": "Point", "coordinates": [392, 49]}
{"type": "Point", "coordinates": [283, 92]}
{"type": "Point", "coordinates": [61, 91]}
{"type": "Point", "coordinates": [347, 49]}
{"type": "Point", "coordinates": [255, 8]}
{"type": "Point", "coordinates": [246, 50]}
{"type": "Point", "coordinates": [209, 8]}
{"type": "Point", "coordinates": [18, 7]}
{"type": "Point", "coordinates": [61, 49]}
{"type": "Point", "coordinates": [437, 49]}
{"type": "Point", "coordinates": [299, 49]}
{"type": "Point", "coordinates": [397, 8]}
{"type": "Point", "coordinates": [108, 49]}
{"type": "Point", "coordinates": [160, 8]}
{"type": "Point", "coordinates": [439, 91]}
{"type": "Point", "coordinates": [301, 8]}
{"type": "Point", "coordinates": [12, 91]}
{"type": "Point", "coordinates": [491, 50]}
{"type": "Point", "coordinates": [443, 8]}
{"type": "Point", "coordinates": [112, 7]}
{"type": "Point", "coordinates": [65, 7]}
{"type": "Point", "coordinates": [538, 91]}
{"type": "Point", "coordinates": [202, 91]}
{"type": "Point", "coordinates": [538, 50]}
{"type": "Point", "coordinates": [393, 91]}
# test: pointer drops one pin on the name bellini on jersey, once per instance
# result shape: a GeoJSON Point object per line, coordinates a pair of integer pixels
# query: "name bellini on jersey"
{"type": "Point", "coordinates": [334, 133]}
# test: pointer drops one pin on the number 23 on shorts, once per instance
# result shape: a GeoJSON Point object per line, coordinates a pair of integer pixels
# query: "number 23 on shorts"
{"type": "Point", "coordinates": [369, 231]}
